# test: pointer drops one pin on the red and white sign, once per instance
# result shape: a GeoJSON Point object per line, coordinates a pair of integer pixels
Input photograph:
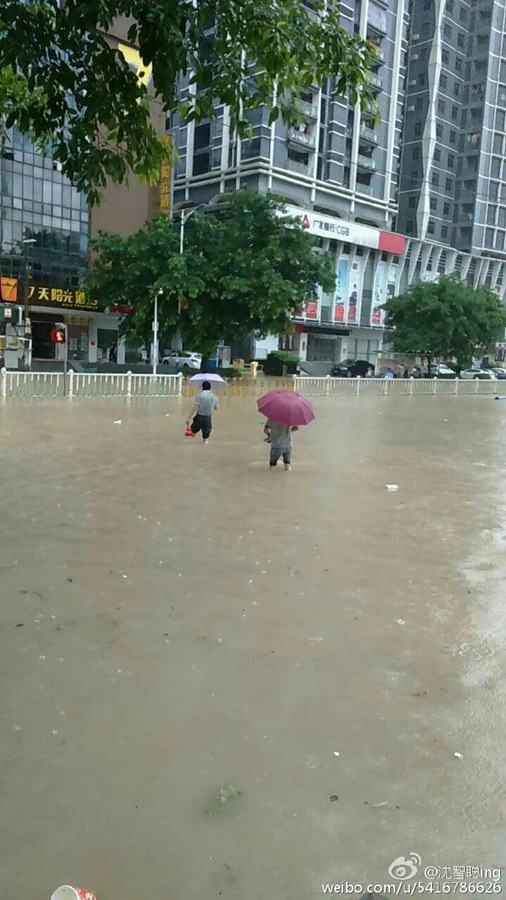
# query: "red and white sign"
{"type": "Point", "coordinates": [349, 232]}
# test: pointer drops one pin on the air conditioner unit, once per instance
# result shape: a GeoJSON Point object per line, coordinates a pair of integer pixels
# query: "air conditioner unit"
{"type": "Point", "coordinates": [415, 56]}
{"type": "Point", "coordinates": [413, 81]}
{"type": "Point", "coordinates": [411, 108]}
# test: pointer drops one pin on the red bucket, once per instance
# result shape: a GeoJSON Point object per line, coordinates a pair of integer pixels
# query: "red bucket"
{"type": "Point", "coordinates": [65, 892]}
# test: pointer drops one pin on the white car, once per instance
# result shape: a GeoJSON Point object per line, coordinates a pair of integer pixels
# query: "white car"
{"type": "Point", "coordinates": [480, 374]}
{"type": "Point", "coordinates": [184, 358]}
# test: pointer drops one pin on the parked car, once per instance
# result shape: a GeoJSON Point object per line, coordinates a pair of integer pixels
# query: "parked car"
{"type": "Point", "coordinates": [499, 373]}
{"type": "Point", "coordinates": [184, 358]}
{"type": "Point", "coordinates": [478, 375]}
{"type": "Point", "coordinates": [350, 368]}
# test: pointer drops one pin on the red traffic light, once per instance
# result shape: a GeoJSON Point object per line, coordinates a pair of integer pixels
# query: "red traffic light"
{"type": "Point", "coordinates": [57, 336]}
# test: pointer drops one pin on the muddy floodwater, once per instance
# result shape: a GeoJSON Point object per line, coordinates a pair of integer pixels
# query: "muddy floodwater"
{"type": "Point", "coordinates": [176, 621]}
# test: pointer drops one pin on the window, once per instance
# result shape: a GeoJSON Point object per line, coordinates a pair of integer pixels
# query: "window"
{"type": "Point", "coordinates": [412, 202]}
{"type": "Point", "coordinates": [495, 168]}
{"type": "Point", "coordinates": [456, 89]}
{"type": "Point", "coordinates": [448, 184]}
{"type": "Point", "coordinates": [446, 209]}
{"type": "Point", "coordinates": [447, 30]}
{"type": "Point", "coordinates": [445, 57]}
{"type": "Point", "coordinates": [202, 136]}
{"type": "Point", "coordinates": [451, 160]}
{"type": "Point", "coordinates": [449, 6]}
{"type": "Point", "coordinates": [409, 226]}
{"type": "Point", "coordinates": [418, 129]}
{"type": "Point", "coordinates": [435, 178]}
{"type": "Point", "coordinates": [498, 142]}
{"type": "Point", "coordinates": [443, 81]}
{"type": "Point", "coordinates": [421, 79]}
{"type": "Point", "coordinates": [415, 153]}
{"type": "Point", "coordinates": [458, 64]}
{"type": "Point", "coordinates": [439, 130]}
{"type": "Point", "coordinates": [453, 137]}
{"type": "Point", "coordinates": [489, 237]}
{"type": "Point", "coordinates": [437, 154]}
{"type": "Point", "coordinates": [441, 106]}
{"type": "Point", "coordinates": [433, 203]}
{"type": "Point", "coordinates": [460, 40]}
{"type": "Point", "coordinates": [463, 14]}
{"type": "Point", "coordinates": [455, 113]}
{"type": "Point", "coordinates": [500, 120]}
{"type": "Point", "coordinates": [499, 240]}
{"type": "Point", "coordinates": [444, 232]}
{"type": "Point", "coordinates": [491, 214]}
{"type": "Point", "coordinates": [431, 227]}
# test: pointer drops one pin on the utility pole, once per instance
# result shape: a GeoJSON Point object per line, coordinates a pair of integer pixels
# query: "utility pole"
{"type": "Point", "coordinates": [27, 274]}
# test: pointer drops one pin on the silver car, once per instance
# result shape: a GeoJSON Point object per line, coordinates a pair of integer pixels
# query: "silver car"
{"type": "Point", "coordinates": [184, 358]}
{"type": "Point", "coordinates": [478, 374]}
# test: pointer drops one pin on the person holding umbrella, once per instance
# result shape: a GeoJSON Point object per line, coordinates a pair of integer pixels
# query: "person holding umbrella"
{"type": "Point", "coordinates": [280, 439]}
{"type": "Point", "coordinates": [285, 411]}
{"type": "Point", "coordinates": [205, 404]}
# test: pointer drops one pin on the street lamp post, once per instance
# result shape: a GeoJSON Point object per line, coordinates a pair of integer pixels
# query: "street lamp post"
{"type": "Point", "coordinates": [155, 333]}
{"type": "Point", "coordinates": [215, 204]}
{"type": "Point", "coordinates": [27, 243]}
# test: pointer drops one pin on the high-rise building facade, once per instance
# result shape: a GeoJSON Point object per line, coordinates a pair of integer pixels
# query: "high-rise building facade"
{"type": "Point", "coordinates": [453, 180]}
{"type": "Point", "coordinates": [339, 168]}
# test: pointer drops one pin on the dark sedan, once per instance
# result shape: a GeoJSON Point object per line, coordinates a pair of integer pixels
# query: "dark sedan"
{"type": "Point", "coordinates": [350, 368]}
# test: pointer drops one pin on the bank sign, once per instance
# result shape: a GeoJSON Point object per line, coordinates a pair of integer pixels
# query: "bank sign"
{"type": "Point", "coordinates": [348, 232]}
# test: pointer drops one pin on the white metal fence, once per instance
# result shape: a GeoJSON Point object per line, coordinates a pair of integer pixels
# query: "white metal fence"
{"type": "Point", "coordinates": [327, 387]}
{"type": "Point", "coordinates": [77, 384]}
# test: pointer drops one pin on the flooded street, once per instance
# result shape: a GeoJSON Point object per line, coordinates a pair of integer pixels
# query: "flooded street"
{"type": "Point", "coordinates": [176, 619]}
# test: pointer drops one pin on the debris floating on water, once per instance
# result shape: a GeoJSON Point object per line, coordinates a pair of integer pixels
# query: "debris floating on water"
{"type": "Point", "coordinates": [392, 487]}
{"type": "Point", "coordinates": [400, 622]}
{"type": "Point", "coordinates": [458, 755]}
{"type": "Point", "coordinates": [333, 798]}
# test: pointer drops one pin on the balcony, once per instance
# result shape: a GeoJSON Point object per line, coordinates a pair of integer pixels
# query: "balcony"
{"type": "Point", "coordinates": [376, 83]}
{"type": "Point", "coordinates": [379, 56]}
{"type": "Point", "coordinates": [309, 110]}
{"type": "Point", "coordinates": [299, 167]}
{"type": "Point", "coordinates": [301, 139]}
{"type": "Point", "coordinates": [376, 21]}
{"type": "Point", "coordinates": [368, 136]}
{"type": "Point", "coordinates": [366, 163]}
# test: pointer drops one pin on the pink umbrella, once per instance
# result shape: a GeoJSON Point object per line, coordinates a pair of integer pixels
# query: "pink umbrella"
{"type": "Point", "coordinates": [286, 407]}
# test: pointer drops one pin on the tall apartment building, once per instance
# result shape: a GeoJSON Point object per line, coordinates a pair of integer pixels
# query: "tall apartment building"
{"type": "Point", "coordinates": [453, 180]}
{"type": "Point", "coordinates": [338, 169]}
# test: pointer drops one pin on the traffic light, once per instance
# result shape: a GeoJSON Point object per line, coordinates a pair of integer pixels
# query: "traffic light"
{"type": "Point", "coordinates": [59, 333]}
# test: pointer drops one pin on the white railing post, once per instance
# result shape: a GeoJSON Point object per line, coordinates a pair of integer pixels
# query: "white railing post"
{"type": "Point", "coordinates": [3, 382]}
{"type": "Point", "coordinates": [411, 385]}
{"type": "Point", "coordinates": [434, 385]}
{"type": "Point", "coordinates": [385, 387]}
{"type": "Point", "coordinates": [357, 389]}
{"type": "Point", "coordinates": [456, 386]}
{"type": "Point", "coordinates": [129, 383]}
{"type": "Point", "coordinates": [476, 385]}
{"type": "Point", "coordinates": [327, 386]}
{"type": "Point", "coordinates": [180, 384]}
{"type": "Point", "coordinates": [71, 383]}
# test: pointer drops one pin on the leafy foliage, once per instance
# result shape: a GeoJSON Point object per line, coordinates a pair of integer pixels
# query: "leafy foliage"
{"type": "Point", "coordinates": [245, 267]}
{"type": "Point", "coordinates": [95, 115]}
{"type": "Point", "coordinates": [445, 318]}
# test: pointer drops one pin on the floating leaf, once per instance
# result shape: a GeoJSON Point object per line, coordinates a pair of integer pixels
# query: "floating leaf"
{"type": "Point", "coordinates": [225, 800]}
{"type": "Point", "coordinates": [379, 803]}
{"type": "Point", "coordinates": [333, 798]}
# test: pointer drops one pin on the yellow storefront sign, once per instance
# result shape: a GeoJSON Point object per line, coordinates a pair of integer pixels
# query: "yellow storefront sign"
{"type": "Point", "coordinates": [166, 178]}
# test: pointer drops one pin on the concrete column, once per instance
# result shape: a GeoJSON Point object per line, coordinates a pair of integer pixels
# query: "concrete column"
{"type": "Point", "coordinates": [92, 341]}
{"type": "Point", "coordinates": [121, 352]}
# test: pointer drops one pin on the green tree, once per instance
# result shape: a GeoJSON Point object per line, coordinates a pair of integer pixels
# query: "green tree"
{"type": "Point", "coordinates": [95, 114]}
{"type": "Point", "coordinates": [445, 318]}
{"type": "Point", "coordinates": [245, 267]}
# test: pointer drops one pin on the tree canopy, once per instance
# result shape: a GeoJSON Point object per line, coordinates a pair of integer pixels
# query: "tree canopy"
{"type": "Point", "coordinates": [95, 111]}
{"type": "Point", "coordinates": [445, 318]}
{"type": "Point", "coordinates": [245, 267]}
